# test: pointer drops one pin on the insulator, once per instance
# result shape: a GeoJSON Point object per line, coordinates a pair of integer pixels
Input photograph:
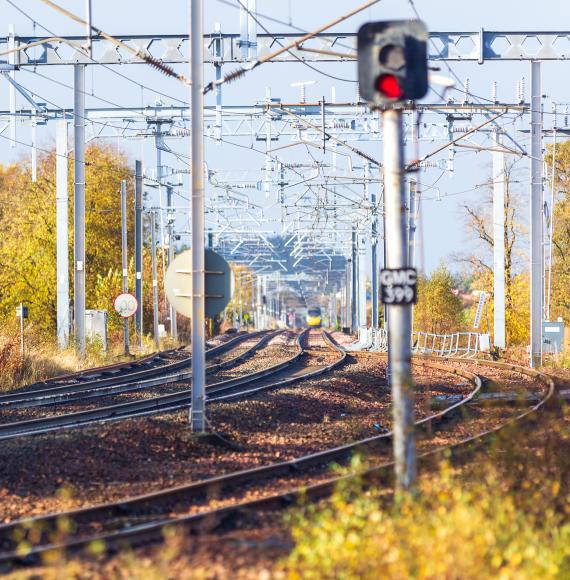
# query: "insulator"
{"type": "Point", "coordinates": [428, 164]}
{"type": "Point", "coordinates": [179, 132]}
{"type": "Point", "coordinates": [358, 92]}
{"type": "Point", "coordinates": [461, 129]}
{"type": "Point", "coordinates": [466, 90]}
{"type": "Point", "coordinates": [521, 91]}
{"type": "Point", "coordinates": [494, 92]}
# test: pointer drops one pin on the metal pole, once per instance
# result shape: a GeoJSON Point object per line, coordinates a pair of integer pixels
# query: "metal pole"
{"type": "Point", "coordinates": [88, 20]}
{"type": "Point", "coordinates": [362, 314]}
{"type": "Point", "coordinates": [536, 253]}
{"type": "Point", "coordinates": [258, 310]}
{"type": "Point", "coordinates": [79, 208]}
{"type": "Point", "coordinates": [125, 258]}
{"type": "Point", "coordinates": [354, 284]}
{"type": "Point", "coordinates": [139, 250]}
{"type": "Point", "coordinates": [374, 249]}
{"type": "Point", "coordinates": [22, 345]}
{"type": "Point", "coordinates": [12, 88]}
{"type": "Point", "coordinates": [499, 338]}
{"type": "Point", "coordinates": [241, 299]}
{"type": "Point", "coordinates": [384, 260]}
{"type": "Point", "coordinates": [412, 217]}
{"type": "Point", "coordinates": [412, 210]}
{"type": "Point", "coordinates": [399, 334]}
{"type": "Point", "coordinates": [154, 280]}
{"type": "Point", "coordinates": [62, 234]}
{"type": "Point", "coordinates": [173, 322]}
{"type": "Point", "coordinates": [197, 413]}
{"type": "Point", "coordinates": [551, 223]}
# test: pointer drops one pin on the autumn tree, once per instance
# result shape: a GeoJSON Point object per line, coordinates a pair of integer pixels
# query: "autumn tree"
{"type": "Point", "coordinates": [479, 225]}
{"type": "Point", "coordinates": [561, 234]}
{"type": "Point", "coordinates": [439, 308]}
{"type": "Point", "coordinates": [28, 249]}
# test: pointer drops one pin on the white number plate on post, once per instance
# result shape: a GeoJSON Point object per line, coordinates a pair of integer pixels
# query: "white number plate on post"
{"type": "Point", "coordinates": [398, 286]}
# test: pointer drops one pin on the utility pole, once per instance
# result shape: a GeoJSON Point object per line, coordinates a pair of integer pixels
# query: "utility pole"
{"type": "Point", "coordinates": [198, 410]}
{"type": "Point", "coordinates": [499, 338]}
{"type": "Point", "coordinates": [62, 234]}
{"type": "Point", "coordinates": [536, 209]}
{"type": "Point", "coordinates": [125, 258]}
{"type": "Point", "coordinates": [374, 250]}
{"type": "Point", "coordinates": [139, 250]}
{"type": "Point", "coordinates": [154, 280]}
{"type": "Point", "coordinates": [412, 226]}
{"type": "Point", "coordinates": [170, 215]}
{"type": "Point", "coordinates": [354, 284]}
{"type": "Point", "coordinates": [362, 306]}
{"type": "Point", "coordinates": [79, 208]}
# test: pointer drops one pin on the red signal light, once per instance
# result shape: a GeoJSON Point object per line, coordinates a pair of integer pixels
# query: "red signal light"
{"type": "Point", "coordinates": [389, 86]}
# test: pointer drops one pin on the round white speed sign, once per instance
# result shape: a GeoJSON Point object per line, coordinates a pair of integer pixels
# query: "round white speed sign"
{"type": "Point", "coordinates": [126, 305]}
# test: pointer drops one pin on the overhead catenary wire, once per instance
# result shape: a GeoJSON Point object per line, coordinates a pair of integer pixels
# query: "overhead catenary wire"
{"type": "Point", "coordinates": [106, 67]}
{"type": "Point", "coordinates": [295, 43]}
{"type": "Point", "coordinates": [138, 53]}
{"type": "Point", "coordinates": [313, 68]}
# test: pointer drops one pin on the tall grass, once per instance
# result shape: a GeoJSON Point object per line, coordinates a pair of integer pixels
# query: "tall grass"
{"type": "Point", "coordinates": [43, 358]}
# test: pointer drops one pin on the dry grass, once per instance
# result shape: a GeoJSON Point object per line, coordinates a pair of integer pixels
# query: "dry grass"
{"type": "Point", "coordinates": [43, 359]}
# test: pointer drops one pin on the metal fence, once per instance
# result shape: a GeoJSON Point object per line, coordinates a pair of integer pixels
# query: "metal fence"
{"type": "Point", "coordinates": [462, 344]}
{"type": "Point", "coordinates": [465, 344]}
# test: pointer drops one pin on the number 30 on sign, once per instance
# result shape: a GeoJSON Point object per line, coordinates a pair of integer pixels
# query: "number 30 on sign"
{"type": "Point", "coordinates": [398, 286]}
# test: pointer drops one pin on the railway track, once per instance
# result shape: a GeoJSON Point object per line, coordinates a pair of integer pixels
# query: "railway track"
{"type": "Point", "coordinates": [106, 379]}
{"type": "Point", "coordinates": [144, 379]}
{"type": "Point", "coordinates": [142, 519]}
{"type": "Point", "coordinates": [284, 373]}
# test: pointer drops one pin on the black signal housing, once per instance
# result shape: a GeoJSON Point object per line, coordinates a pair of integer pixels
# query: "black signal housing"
{"type": "Point", "coordinates": [392, 61]}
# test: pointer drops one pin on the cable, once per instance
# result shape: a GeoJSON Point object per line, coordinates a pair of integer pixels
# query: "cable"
{"type": "Point", "coordinates": [244, 70]}
{"type": "Point", "coordinates": [107, 67]}
{"type": "Point", "coordinates": [275, 39]}
{"type": "Point", "coordinates": [137, 53]}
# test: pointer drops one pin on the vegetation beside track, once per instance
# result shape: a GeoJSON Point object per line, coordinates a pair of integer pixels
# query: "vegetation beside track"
{"type": "Point", "coordinates": [504, 515]}
{"type": "Point", "coordinates": [43, 359]}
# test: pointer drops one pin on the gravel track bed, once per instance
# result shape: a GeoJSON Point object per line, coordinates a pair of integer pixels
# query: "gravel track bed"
{"type": "Point", "coordinates": [252, 550]}
{"type": "Point", "coordinates": [74, 468]}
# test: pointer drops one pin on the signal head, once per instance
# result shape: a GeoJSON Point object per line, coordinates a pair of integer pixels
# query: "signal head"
{"type": "Point", "coordinates": [392, 61]}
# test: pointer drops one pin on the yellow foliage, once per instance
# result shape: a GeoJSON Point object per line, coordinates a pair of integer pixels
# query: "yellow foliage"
{"type": "Point", "coordinates": [438, 309]}
{"type": "Point", "coordinates": [517, 311]}
{"type": "Point", "coordinates": [561, 246]}
{"type": "Point", "coordinates": [28, 251]}
{"type": "Point", "coordinates": [449, 531]}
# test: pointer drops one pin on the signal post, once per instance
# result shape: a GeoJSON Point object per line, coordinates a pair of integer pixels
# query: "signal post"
{"type": "Point", "coordinates": [392, 66]}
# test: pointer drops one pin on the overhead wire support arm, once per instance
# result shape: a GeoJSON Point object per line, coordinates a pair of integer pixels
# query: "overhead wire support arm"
{"type": "Point", "coordinates": [415, 164]}
{"type": "Point", "coordinates": [332, 137]}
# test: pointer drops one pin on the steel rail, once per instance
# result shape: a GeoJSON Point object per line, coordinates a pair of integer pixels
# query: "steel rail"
{"type": "Point", "coordinates": [201, 490]}
{"type": "Point", "coordinates": [223, 390]}
{"type": "Point", "coordinates": [86, 391]}
{"type": "Point", "coordinates": [214, 519]}
{"type": "Point", "coordinates": [15, 399]}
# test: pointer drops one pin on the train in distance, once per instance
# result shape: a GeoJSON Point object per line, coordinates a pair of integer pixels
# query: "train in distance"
{"type": "Point", "coordinates": [314, 317]}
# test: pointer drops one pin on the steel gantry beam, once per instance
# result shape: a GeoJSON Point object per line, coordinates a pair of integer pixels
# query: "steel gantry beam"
{"type": "Point", "coordinates": [223, 48]}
